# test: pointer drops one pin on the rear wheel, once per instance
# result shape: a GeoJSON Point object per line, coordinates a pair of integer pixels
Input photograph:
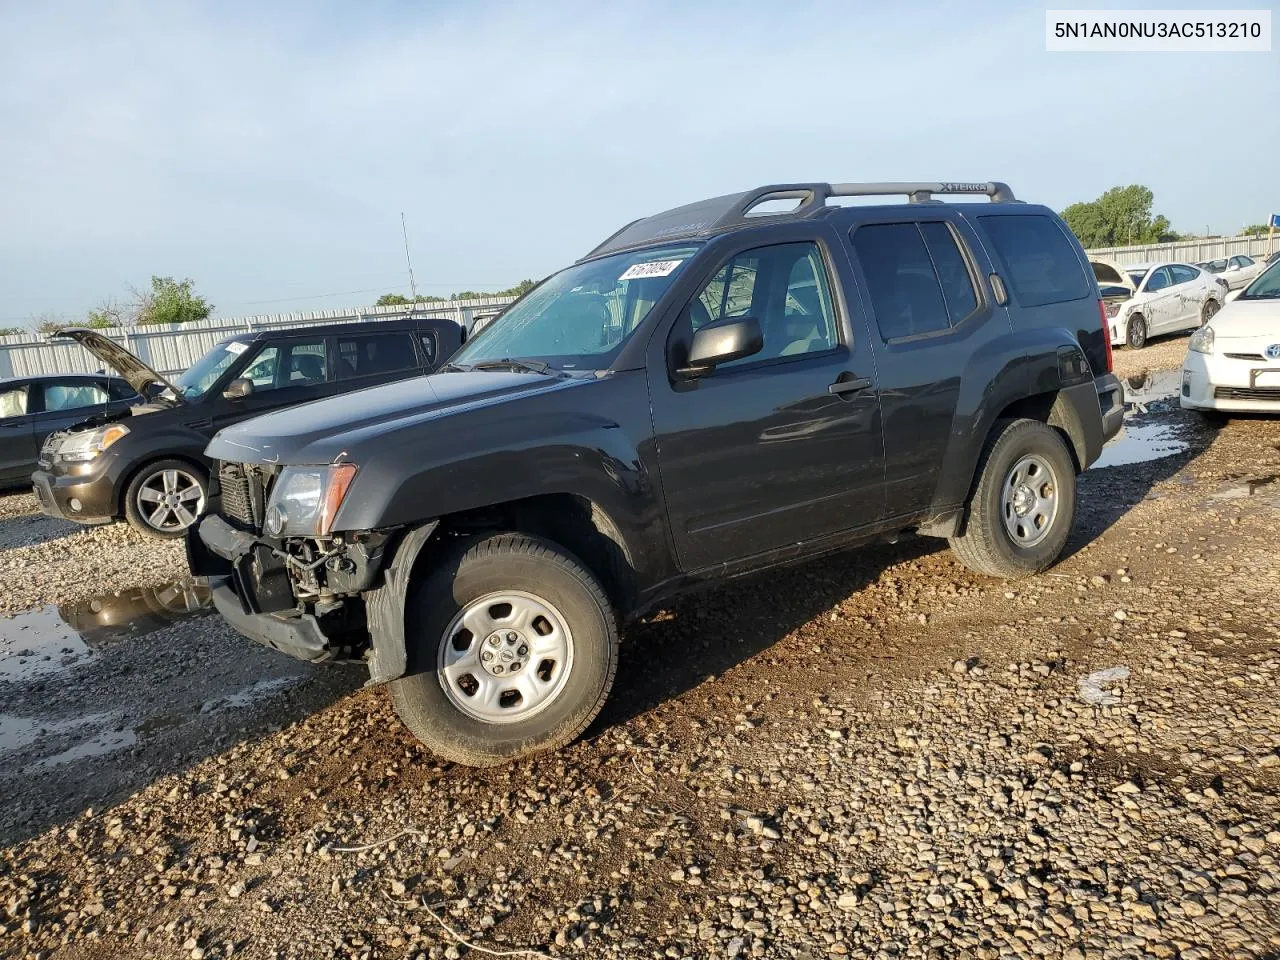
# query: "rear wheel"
{"type": "Point", "coordinates": [1136, 332]}
{"type": "Point", "coordinates": [1023, 504]}
{"type": "Point", "coordinates": [165, 498]}
{"type": "Point", "coordinates": [1211, 307]}
{"type": "Point", "coordinates": [512, 650]}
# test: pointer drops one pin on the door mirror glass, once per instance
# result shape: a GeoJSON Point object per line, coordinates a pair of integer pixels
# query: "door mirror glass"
{"type": "Point", "coordinates": [238, 388]}
{"type": "Point", "coordinates": [722, 342]}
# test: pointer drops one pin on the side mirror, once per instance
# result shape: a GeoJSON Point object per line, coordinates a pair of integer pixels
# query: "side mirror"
{"type": "Point", "coordinates": [722, 342]}
{"type": "Point", "coordinates": [238, 389]}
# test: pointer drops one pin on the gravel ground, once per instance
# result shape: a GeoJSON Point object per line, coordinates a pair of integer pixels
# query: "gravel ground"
{"type": "Point", "coordinates": [874, 755]}
{"type": "Point", "coordinates": [1160, 353]}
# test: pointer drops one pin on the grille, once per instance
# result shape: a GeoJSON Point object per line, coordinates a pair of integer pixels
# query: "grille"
{"type": "Point", "coordinates": [236, 491]}
{"type": "Point", "coordinates": [1246, 393]}
{"type": "Point", "coordinates": [1244, 356]}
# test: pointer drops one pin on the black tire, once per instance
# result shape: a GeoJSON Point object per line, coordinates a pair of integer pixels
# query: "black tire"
{"type": "Point", "coordinates": [986, 545]}
{"type": "Point", "coordinates": [1135, 335]}
{"type": "Point", "coordinates": [476, 569]}
{"type": "Point", "coordinates": [1207, 312]}
{"type": "Point", "coordinates": [137, 515]}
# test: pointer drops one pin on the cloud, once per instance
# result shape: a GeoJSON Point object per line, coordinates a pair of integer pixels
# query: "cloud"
{"type": "Point", "coordinates": [267, 150]}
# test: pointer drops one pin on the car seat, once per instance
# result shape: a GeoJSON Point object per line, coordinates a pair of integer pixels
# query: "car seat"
{"type": "Point", "coordinates": [306, 368]}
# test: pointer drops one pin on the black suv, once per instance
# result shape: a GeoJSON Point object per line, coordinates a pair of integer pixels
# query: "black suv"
{"type": "Point", "coordinates": [152, 470]}
{"type": "Point", "coordinates": [711, 391]}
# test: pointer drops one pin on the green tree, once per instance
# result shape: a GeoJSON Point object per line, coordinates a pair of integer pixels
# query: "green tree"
{"type": "Point", "coordinates": [398, 299]}
{"type": "Point", "coordinates": [519, 290]}
{"type": "Point", "coordinates": [109, 313]}
{"type": "Point", "coordinates": [1120, 217]}
{"type": "Point", "coordinates": [1256, 230]}
{"type": "Point", "coordinates": [11, 331]}
{"type": "Point", "coordinates": [47, 323]}
{"type": "Point", "coordinates": [170, 301]}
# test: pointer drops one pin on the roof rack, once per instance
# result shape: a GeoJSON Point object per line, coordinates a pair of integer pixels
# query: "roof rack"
{"type": "Point", "coordinates": [707, 216]}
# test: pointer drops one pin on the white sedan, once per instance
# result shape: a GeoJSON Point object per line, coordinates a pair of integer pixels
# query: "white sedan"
{"type": "Point", "coordinates": [1149, 299]}
{"type": "Point", "coordinates": [1233, 362]}
{"type": "Point", "coordinates": [1239, 271]}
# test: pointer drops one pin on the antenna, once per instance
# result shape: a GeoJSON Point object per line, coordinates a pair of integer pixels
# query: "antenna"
{"type": "Point", "coordinates": [413, 287]}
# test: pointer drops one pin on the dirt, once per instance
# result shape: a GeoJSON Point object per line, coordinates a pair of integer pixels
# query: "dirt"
{"type": "Point", "coordinates": [875, 754]}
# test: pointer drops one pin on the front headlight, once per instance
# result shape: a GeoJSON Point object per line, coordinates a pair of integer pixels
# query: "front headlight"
{"type": "Point", "coordinates": [305, 500]}
{"type": "Point", "coordinates": [84, 446]}
{"type": "Point", "coordinates": [1202, 340]}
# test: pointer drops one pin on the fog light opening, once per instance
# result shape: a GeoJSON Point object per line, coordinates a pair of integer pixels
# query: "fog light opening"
{"type": "Point", "coordinates": [75, 504]}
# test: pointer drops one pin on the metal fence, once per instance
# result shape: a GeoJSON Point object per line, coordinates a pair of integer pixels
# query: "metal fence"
{"type": "Point", "coordinates": [1188, 251]}
{"type": "Point", "coordinates": [172, 348]}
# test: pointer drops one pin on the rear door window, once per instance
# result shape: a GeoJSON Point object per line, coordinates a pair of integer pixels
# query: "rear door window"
{"type": "Point", "coordinates": [1183, 274]}
{"type": "Point", "coordinates": [952, 270]}
{"type": "Point", "coordinates": [906, 294]}
{"type": "Point", "coordinates": [1040, 262]}
{"type": "Point", "coordinates": [368, 354]}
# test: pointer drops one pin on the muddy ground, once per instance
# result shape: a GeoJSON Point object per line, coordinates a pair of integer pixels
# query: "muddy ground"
{"type": "Point", "coordinates": [876, 754]}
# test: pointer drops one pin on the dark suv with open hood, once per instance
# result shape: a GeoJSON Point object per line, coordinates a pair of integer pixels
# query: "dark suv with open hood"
{"type": "Point", "coordinates": [147, 463]}
{"type": "Point", "coordinates": [711, 391]}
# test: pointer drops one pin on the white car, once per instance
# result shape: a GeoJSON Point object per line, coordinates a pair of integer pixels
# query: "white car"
{"type": "Point", "coordinates": [1148, 299]}
{"type": "Point", "coordinates": [1239, 271]}
{"type": "Point", "coordinates": [1233, 362]}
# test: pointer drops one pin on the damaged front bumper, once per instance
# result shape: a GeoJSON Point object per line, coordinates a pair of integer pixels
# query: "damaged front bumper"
{"type": "Point", "coordinates": [345, 604]}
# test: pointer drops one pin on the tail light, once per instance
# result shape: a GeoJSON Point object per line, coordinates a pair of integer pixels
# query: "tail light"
{"type": "Point", "coordinates": [1113, 308]}
{"type": "Point", "coordinates": [1106, 331]}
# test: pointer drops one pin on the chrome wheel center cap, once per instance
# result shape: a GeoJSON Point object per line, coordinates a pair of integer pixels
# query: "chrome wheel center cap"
{"type": "Point", "coordinates": [1023, 500]}
{"type": "Point", "coordinates": [504, 652]}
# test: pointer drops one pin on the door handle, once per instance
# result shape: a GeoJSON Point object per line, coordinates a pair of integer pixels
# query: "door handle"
{"type": "Point", "coordinates": [847, 383]}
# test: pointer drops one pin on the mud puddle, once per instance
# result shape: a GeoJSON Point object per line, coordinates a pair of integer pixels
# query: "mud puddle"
{"type": "Point", "coordinates": [1152, 393]}
{"type": "Point", "coordinates": [55, 638]}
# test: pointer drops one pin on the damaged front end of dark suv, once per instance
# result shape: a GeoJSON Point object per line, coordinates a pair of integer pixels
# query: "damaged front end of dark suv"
{"type": "Point", "coordinates": [279, 574]}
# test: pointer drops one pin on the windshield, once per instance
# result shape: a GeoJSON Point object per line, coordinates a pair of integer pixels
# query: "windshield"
{"type": "Point", "coordinates": [1266, 287]}
{"type": "Point", "coordinates": [579, 318]}
{"type": "Point", "coordinates": [204, 373]}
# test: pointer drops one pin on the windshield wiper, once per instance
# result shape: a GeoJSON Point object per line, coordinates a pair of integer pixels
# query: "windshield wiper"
{"type": "Point", "coordinates": [452, 367]}
{"type": "Point", "coordinates": [515, 363]}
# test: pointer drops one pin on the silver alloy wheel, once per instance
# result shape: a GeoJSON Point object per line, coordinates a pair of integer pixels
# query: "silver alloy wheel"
{"type": "Point", "coordinates": [505, 657]}
{"type": "Point", "coordinates": [170, 500]}
{"type": "Point", "coordinates": [1029, 500]}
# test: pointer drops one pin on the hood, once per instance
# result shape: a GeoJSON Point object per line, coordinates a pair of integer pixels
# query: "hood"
{"type": "Point", "coordinates": [1111, 274]}
{"type": "Point", "coordinates": [1248, 318]}
{"type": "Point", "coordinates": [136, 373]}
{"type": "Point", "coordinates": [327, 430]}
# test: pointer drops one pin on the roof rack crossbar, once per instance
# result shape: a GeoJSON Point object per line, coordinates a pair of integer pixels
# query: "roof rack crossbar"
{"type": "Point", "coordinates": [923, 192]}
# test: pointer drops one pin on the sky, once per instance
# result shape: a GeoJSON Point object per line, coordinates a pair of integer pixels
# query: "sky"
{"type": "Point", "coordinates": [268, 150]}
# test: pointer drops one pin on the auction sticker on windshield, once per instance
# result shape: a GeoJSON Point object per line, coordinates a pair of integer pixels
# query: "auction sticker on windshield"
{"type": "Point", "coordinates": [654, 268]}
{"type": "Point", "coordinates": [236, 347]}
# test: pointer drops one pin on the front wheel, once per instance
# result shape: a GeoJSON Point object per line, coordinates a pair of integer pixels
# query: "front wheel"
{"type": "Point", "coordinates": [512, 650]}
{"type": "Point", "coordinates": [1023, 504]}
{"type": "Point", "coordinates": [1207, 312]}
{"type": "Point", "coordinates": [165, 498]}
{"type": "Point", "coordinates": [1136, 332]}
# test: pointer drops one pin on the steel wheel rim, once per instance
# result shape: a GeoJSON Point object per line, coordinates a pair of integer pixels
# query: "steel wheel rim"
{"type": "Point", "coordinates": [1210, 310]}
{"type": "Point", "coordinates": [170, 500]}
{"type": "Point", "coordinates": [505, 657]}
{"type": "Point", "coordinates": [1029, 500]}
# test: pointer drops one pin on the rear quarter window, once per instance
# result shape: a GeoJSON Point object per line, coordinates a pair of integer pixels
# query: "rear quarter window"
{"type": "Point", "coordinates": [1039, 261]}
